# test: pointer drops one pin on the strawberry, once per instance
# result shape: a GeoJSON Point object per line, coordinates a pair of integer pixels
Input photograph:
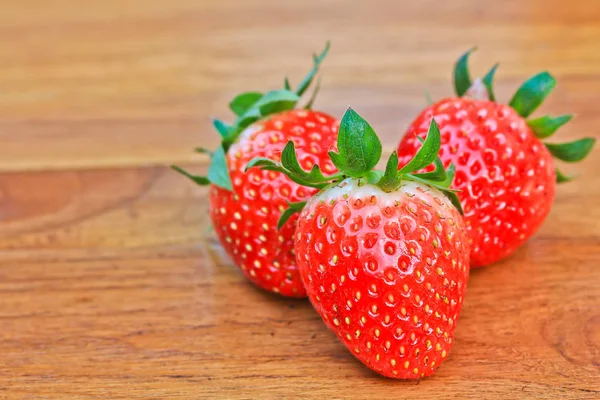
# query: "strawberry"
{"type": "Point", "coordinates": [245, 208]}
{"type": "Point", "coordinates": [505, 175]}
{"type": "Point", "coordinates": [383, 256]}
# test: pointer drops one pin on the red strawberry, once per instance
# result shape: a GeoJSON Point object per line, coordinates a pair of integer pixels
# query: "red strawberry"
{"type": "Point", "coordinates": [245, 219]}
{"type": "Point", "coordinates": [505, 174]}
{"type": "Point", "coordinates": [384, 257]}
{"type": "Point", "coordinates": [245, 208]}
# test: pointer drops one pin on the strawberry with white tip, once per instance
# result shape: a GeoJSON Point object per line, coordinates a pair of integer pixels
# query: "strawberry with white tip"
{"type": "Point", "coordinates": [383, 255]}
{"type": "Point", "coordinates": [245, 208]}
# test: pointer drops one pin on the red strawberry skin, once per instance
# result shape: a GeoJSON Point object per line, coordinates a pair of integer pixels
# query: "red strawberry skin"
{"type": "Point", "coordinates": [387, 272]}
{"type": "Point", "coordinates": [245, 220]}
{"type": "Point", "coordinates": [505, 175]}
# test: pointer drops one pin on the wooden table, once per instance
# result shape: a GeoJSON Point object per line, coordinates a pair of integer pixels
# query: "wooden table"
{"type": "Point", "coordinates": [111, 286]}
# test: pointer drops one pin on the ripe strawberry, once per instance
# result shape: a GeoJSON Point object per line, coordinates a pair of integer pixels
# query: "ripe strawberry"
{"type": "Point", "coordinates": [245, 208]}
{"type": "Point", "coordinates": [383, 256]}
{"type": "Point", "coordinates": [505, 174]}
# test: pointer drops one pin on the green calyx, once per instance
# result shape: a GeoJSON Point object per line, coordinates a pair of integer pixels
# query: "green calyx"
{"type": "Point", "coordinates": [292, 209]}
{"type": "Point", "coordinates": [359, 148]}
{"type": "Point", "coordinates": [525, 101]}
{"type": "Point", "coordinates": [532, 93]}
{"type": "Point", "coordinates": [573, 151]}
{"type": "Point", "coordinates": [359, 151]}
{"type": "Point", "coordinates": [462, 77]}
{"type": "Point", "coordinates": [250, 107]}
{"type": "Point", "coordinates": [546, 126]}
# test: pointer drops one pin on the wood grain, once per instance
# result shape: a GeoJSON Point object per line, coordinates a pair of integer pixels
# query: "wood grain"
{"type": "Point", "coordinates": [124, 83]}
{"type": "Point", "coordinates": [125, 296]}
{"type": "Point", "coordinates": [112, 285]}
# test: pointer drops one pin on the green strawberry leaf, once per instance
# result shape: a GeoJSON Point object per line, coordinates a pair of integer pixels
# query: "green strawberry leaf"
{"type": "Point", "coordinates": [438, 185]}
{"type": "Point", "coordinates": [249, 117]}
{"type": "Point", "coordinates": [438, 174]}
{"type": "Point", "coordinates": [462, 78]}
{"type": "Point", "coordinates": [200, 180]}
{"type": "Point", "coordinates": [291, 167]}
{"type": "Point", "coordinates": [442, 187]}
{"type": "Point", "coordinates": [373, 177]}
{"type": "Point", "coordinates": [450, 172]}
{"type": "Point", "coordinates": [337, 160]}
{"type": "Point", "coordinates": [300, 180]}
{"type": "Point", "coordinates": [270, 103]}
{"type": "Point", "coordinates": [545, 126]}
{"type": "Point", "coordinates": [313, 96]}
{"type": "Point", "coordinates": [218, 173]}
{"type": "Point", "coordinates": [391, 179]}
{"type": "Point", "coordinates": [358, 146]}
{"type": "Point", "coordinates": [291, 210]}
{"type": "Point", "coordinates": [454, 200]}
{"type": "Point", "coordinates": [562, 178]}
{"type": "Point", "coordinates": [317, 60]}
{"type": "Point", "coordinates": [315, 175]}
{"type": "Point", "coordinates": [573, 151]}
{"type": "Point", "coordinates": [221, 127]}
{"type": "Point", "coordinates": [289, 161]}
{"type": "Point", "coordinates": [428, 151]}
{"type": "Point", "coordinates": [203, 150]}
{"type": "Point", "coordinates": [286, 84]}
{"type": "Point", "coordinates": [488, 81]}
{"type": "Point", "coordinates": [262, 162]}
{"type": "Point", "coordinates": [439, 178]}
{"type": "Point", "coordinates": [276, 101]}
{"type": "Point", "coordinates": [242, 102]}
{"type": "Point", "coordinates": [532, 93]}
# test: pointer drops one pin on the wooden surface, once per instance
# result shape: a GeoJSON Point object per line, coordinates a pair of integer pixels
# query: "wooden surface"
{"type": "Point", "coordinates": [111, 286]}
